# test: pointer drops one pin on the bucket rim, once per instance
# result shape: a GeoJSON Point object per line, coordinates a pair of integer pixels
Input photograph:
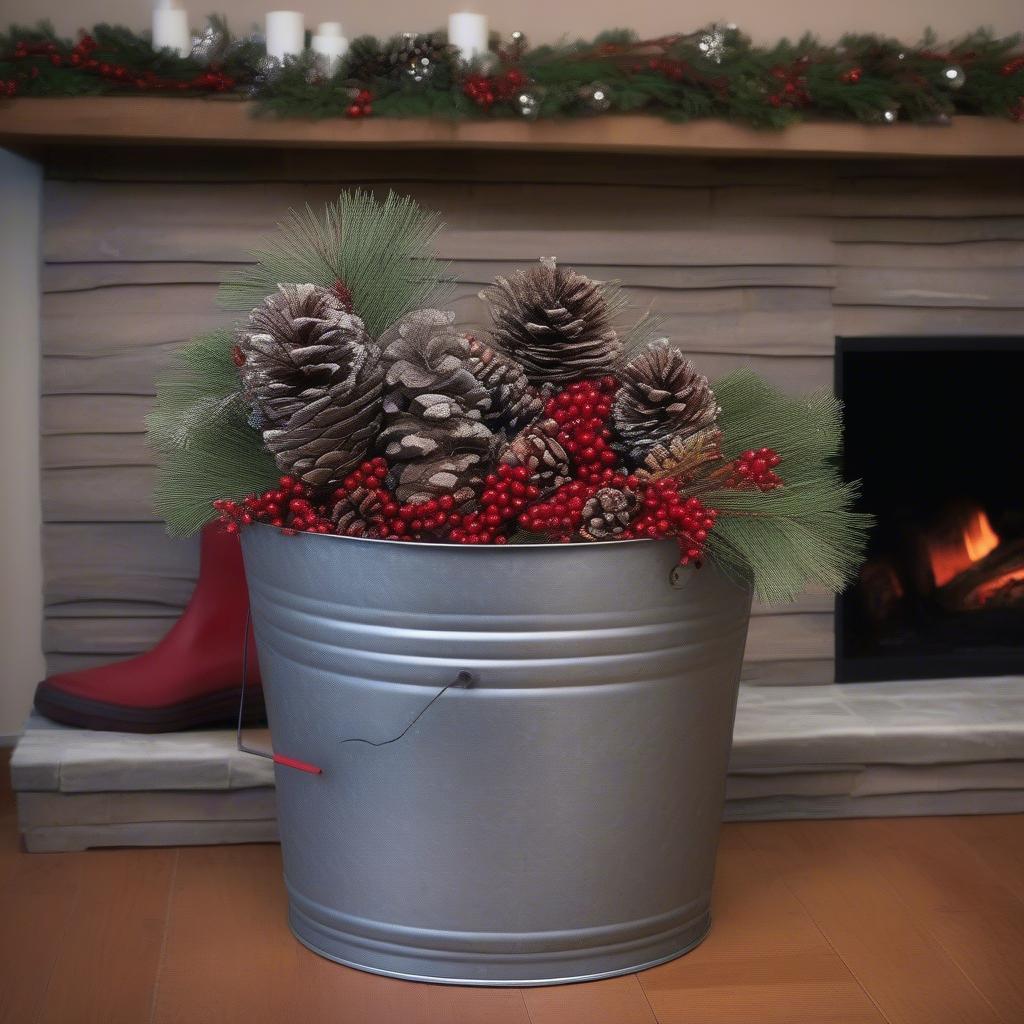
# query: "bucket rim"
{"type": "Point", "coordinates": [454, 546]}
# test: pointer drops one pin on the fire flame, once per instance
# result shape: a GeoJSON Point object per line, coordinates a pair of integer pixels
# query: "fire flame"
{"type": "Point", "coordinates": [958, 549]}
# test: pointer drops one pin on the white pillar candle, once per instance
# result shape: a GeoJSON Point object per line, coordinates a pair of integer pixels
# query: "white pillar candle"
{"type": "Point", "coordinates": [468, 33]}
{"type": "Point", "coordinates": [170, 28]}
{"type": "Point", "coordinates": [286, 34]}
{"type": "Point", "coordinates": [330, 44]}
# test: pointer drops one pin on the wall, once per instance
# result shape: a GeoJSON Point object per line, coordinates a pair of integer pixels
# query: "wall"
{"type": "Point", "coordinates": [547, 22]}
{"type": "Point", "coordinates": [761, 263]}
{"type": "Point", "coordinates": [21, 594]}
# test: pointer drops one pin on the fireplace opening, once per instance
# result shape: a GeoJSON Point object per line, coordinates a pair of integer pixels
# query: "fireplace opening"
{"type": "Point", "coordinates": [934, 429]}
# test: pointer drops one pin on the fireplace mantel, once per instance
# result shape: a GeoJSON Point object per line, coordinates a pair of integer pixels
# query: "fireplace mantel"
{"type": "Point", "coordinates": [28, 124]}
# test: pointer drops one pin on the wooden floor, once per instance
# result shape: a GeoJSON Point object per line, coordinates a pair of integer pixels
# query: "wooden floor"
{"type": "Point", "coordinates": [912, 921]}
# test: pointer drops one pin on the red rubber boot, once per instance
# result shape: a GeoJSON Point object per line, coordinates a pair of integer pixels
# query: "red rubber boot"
{"type": "Point", "coordinates": [191, 678]}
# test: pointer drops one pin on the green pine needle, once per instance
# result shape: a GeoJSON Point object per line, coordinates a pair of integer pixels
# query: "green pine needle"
{"type": "Point", "coordinates": [226, 460]}
{"type": "Point", "coordinates": [199, 426]}
{"type": "Point", "coordinates": [384, 253]}
{"type": "Point", "coordinates": [779, 541]}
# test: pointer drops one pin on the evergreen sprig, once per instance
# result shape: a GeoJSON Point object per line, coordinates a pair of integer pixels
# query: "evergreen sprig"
{"type": "Point", "coordinates": [383, 252]}
{"type": "Point", "coordinates": [199, 426]}
{"type": "Point", "coordinates": [806, 531]}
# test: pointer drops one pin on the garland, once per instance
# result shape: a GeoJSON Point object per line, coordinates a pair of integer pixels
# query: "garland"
{"type": "Point", "coordinates": [714, 72]}
{"type": "Point", "coordinates": [344, 404]}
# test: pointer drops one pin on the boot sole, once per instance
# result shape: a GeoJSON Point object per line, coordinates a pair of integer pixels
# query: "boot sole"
{"type": "Point", "coordinates": [218, 708]}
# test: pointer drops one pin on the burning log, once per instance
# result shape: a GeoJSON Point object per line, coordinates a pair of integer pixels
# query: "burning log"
{"type": "Point", "coordinates": [994, 581]}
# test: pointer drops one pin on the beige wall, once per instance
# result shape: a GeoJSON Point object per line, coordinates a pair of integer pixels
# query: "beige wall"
{"type": "Point", "coordinates": [544, 21]}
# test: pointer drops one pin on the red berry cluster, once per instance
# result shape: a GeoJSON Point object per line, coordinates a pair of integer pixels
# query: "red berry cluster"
{"type": "Point", "coordinates": [506, 493]}
{"type": "Point", "coordinates": [286, 506]}
{"type": "Point", "coordinates": [81, 57]}
{"type": "Point", "coordinates": [8, 87]}
{"type": "Point", "coordinates": [754, 469]}
{"type": "Point", "coordinates": [665, 513]}
{"type": "Point", "coordinates": [361, 105]}
{"type": "Point", "coordinates": [581, 412]}
{"type": "Point", "coordinates": [1011, 67]}
{"type": "Point", "coordinates": [792, 88]}
{"type": "Point", "coordinates": [561, 512]}
{"type": "Point", "coordinates": [395, 520]}
{"type": "Point", "coordinates": [370, 475]}
{"type": "Point", "coordinates": [673, 70]}
{"type": "Point", "coordinates": [485, 90]}
{"type": "Point", "coordinates": [851, 77]}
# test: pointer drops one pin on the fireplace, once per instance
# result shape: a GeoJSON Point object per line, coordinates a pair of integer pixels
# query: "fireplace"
{"type": "Point", "coordinates": [934, 428]}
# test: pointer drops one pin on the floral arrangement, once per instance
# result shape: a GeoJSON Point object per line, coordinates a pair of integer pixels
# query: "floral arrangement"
{"type": "Point", "coordinates": [715, 71]}
{"type": "Point", "coordinates": [347, 401]}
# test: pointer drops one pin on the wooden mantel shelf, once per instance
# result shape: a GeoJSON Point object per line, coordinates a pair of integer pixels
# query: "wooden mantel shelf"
{"type": "Point", "coordinates": [32, 123]}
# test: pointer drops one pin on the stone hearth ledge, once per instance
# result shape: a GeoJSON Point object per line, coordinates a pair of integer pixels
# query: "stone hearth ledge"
{"type": "Point", "coordinates": [904, 748]}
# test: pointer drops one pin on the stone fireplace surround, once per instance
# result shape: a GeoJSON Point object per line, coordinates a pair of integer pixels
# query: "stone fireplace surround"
{"type": "Point", "coordinates": [755, 261]}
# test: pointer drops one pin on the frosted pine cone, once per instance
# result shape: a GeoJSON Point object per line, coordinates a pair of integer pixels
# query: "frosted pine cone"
{"type": "Point", "coordinates": [315, 381]}
{"type": "Point", "coordinates": [354, 513]}
{"type": "Point", "coordinates": [661, 395]}
{"type": "Point", "coordinates": [554, 322]}
{"type": "Point", "coordinates": [608, 513]}
{"type": "Point", "coordinates": [538, 449]}
{"type": "Point", "coordinates": [434, 433]}
{"type": "Point", "coordinates": [515, 402]}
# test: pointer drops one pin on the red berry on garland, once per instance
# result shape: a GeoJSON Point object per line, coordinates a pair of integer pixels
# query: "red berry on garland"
{"type": "Point", "coordinates": [851, 77]}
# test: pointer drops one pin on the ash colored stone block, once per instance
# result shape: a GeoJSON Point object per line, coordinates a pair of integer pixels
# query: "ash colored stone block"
{"type": "Point", "coordinates": [55, 757]}
{"type": "Point", "coordinates": [70, 838]}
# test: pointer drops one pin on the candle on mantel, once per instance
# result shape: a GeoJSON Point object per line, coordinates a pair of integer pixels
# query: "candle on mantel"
{"type": "Point", "coordinates": [170, 28]}
{"type": "Point", "coordinates": [330, 44]}
{"type": "Point", "coordinates": [286, 34]}
{"type": "Point", "coordinates": [468, 33]}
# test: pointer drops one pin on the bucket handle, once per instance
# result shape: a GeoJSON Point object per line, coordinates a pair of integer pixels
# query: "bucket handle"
{"type": "Point", "coordinates": [462, 681]}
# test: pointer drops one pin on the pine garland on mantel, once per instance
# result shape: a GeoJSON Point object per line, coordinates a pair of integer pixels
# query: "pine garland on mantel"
{"type": "Point", "coordinates": [713, 72]}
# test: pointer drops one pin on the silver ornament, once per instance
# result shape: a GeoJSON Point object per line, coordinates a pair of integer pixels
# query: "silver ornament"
{"type": "Point", "coordinates": [889, 116]}
{"type": "Point", "coordinates": [420, 70]}
{"type": "Point", "coordinates": [206, 44]}
{"type": "Point", "coordinates": [528, 106]}
{"type": "Point", "coordinates": [596, 96]}
{"type": "Point", "coordinates": [268, 68]}
{"type": "Point", "coordinates": [953, 76]}
{"type": "Point", "coordinates": [518, 41]}
{"type": "Point", "coordinates": [711, 42]}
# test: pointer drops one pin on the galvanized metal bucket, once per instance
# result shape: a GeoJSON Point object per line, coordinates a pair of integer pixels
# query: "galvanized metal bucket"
{"type": "Point", "coordinates": [556, 820]}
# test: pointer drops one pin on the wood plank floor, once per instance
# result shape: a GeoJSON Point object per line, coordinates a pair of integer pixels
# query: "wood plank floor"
{"type": "Point", "coordinates": [911, 921]}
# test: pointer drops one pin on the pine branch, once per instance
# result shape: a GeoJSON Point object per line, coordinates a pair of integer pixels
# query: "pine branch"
{"type": "Point", "coordinates": [383, 252]}
{"type": "Point", "coordinates": [779, 541]}
{"type": "Point", "coordinates": [227, 460]}
{"type": "Point", "coordinates": [199, 426]}
{"type": "Point", "coordinates": [199, 389]}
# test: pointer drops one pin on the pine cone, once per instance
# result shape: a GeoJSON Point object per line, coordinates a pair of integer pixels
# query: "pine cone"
{"type": "Point", "coordinates": [515, 402]}
{"type": "Point", "coordinates": [315, 381]}
{"type": "Point", "coordinates": [410, 50]}
{"type": "Point", "coordinates": [608, 513]}
{"type": "Point", "coordinates": [661, 395]}
{"type": "Point", "coordinates": [433, 410]}
{"type": "Point", "coordinates": [537, 448]}
{"type": "Point", "coordinates": [354, 513]}
{"type": "Point", "coordinates": [554, 322]}
{"type": "Point", "coordinates": [681, 457]}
